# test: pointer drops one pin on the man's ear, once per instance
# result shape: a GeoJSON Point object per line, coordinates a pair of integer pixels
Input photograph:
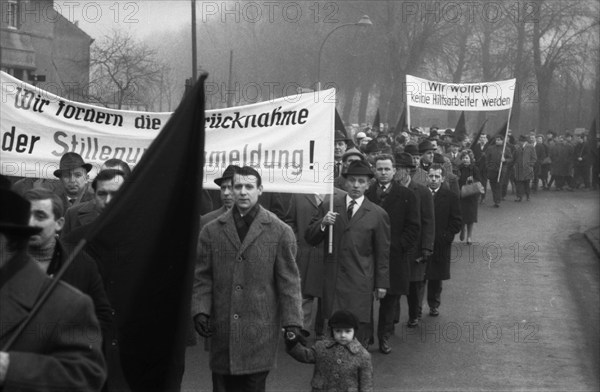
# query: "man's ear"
{"type": "Point", "coordinates": [60, 223]}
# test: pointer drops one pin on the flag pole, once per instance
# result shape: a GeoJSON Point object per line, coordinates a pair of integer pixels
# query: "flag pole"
{"type": "Point", "coordinates": [330, 236]}
{"type": "Point", "coordinates": [504, 146]}
{"type": "Point", "coordinates": [45, 294]}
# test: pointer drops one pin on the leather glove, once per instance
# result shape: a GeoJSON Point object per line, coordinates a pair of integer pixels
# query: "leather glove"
{"type": "Point", "coordinates": [203, 326]}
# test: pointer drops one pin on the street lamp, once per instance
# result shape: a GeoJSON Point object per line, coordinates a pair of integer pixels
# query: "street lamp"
{"type": "Point", "coordinates": [364, 21]}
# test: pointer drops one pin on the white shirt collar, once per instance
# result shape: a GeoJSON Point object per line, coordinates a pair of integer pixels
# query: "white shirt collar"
{"type": "Point", "coordinates": [358, 201]}
{"type": "Point", "coordinates": [385, 186]}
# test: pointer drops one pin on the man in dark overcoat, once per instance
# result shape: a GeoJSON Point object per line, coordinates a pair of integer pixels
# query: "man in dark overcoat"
{"type": "Point", "coordinates": [401, 205]}
{"type": "Point", "coordinates": [448, 222]}
{"type": "Point", "coordinates": [524, 165]}
{"type": "Point", "coordinates": [423, 249]}
{"type": "Point", "coordinates": [494, 159]}
{"type": "Point", "coordinates": [105, 187]}
{"type": "Point", "coordinates": [358, 268]}
{"type": "Point", "coordinates": [246, 287]}
{"type": "Point", "coordinates": [63, 353]}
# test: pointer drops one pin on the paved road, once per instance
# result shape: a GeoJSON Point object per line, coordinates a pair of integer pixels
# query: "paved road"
{"type": "Point", "coordinates": [521, 311]}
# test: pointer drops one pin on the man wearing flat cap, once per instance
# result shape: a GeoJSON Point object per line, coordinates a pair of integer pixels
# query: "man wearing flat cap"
{"type": "Point", "coordinates": [73, 174]}
{"type": "Point", "coordinates": [358, 267]}
{"type": "Point", "coordinates": [66, 353]}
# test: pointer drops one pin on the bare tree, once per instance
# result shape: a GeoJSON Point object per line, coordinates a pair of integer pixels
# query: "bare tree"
{"type": "Point", "coordinates": [124, 71]}
{"type": "Point", "coordinates": [559, 32]}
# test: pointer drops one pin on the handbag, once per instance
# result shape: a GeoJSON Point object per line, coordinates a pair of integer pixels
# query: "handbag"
{"type": "Point", "coordinates": [547, 161]}
{"type": "Point", "coordinates": [471, 189]}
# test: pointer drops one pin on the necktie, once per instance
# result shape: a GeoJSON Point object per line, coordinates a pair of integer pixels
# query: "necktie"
{"type": "Point", "coordinates": [351, 208]}
{"type": "Point", "coordinates": [381, 192]}
{"type": "Point", "coordinates": [71, 201]}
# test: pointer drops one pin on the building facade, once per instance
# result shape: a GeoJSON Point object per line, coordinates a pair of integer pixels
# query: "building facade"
{"type": "Point", "coordinates": [40, 46]}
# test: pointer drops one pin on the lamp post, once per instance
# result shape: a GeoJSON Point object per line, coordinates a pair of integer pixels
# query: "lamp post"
{"type": "Point", "coordinates": [364, 21]}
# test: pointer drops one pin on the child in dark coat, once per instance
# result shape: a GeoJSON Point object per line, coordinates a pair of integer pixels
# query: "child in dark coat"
{"type": "Point", "coordinates": [341, 362]}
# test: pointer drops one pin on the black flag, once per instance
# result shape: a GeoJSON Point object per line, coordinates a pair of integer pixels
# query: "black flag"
{"type": "Point", "coordinates": [401, 122]}
{"type": "Point", "coordinates": [145, 244]}
{"type": "Point", "coordinates": [460, 132]}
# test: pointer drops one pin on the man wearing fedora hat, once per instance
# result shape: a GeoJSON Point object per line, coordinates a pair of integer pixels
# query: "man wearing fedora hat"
{"type": "Point", "coordinates": [426, 150]}
{"type": "Point", "coordinates": [358, 267]}
{"type": "Point", "coordinates": [73, 175]}
{"type": "Point", "coordinates": [340, 147]}
{"type": "Point", "coordinates": [423, 249]}
{"type": "Point", "coordinates": [351, 155]}
{"type": "Point", "coordinates": [64, 354]}
{"type": "Point", "coordinates": [225, 184]}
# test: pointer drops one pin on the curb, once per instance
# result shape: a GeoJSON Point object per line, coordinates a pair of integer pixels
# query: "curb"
{"type": "Point", "coordinates": [593, 237]}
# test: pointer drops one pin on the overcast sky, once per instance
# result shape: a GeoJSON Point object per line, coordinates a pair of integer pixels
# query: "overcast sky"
{"type": "Point", "coordinates": [140, 17]}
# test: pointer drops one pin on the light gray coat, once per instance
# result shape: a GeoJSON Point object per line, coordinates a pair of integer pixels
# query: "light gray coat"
{"type": "Point", "coordinates": [249, 289]}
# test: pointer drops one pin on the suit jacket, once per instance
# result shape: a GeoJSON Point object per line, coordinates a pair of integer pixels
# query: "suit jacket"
{"type": "Point", "coordinates": [80, 215]}
{"type": "Point", "coordinates": [448, 222]}
{"type": "Point", "coordinates": [427, 231]}
{"type": "Point", "coordinates": [400, 203]}
{"type": "Point", "coordinates": [60, 348]}
{"type": "Point", "coordinates": [360, 259]}
{"type": "Point", "coordinates": [249, 289]}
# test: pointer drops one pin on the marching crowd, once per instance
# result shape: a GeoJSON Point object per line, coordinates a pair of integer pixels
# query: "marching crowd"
{"type": "Point", "coordinates": [301, 262]}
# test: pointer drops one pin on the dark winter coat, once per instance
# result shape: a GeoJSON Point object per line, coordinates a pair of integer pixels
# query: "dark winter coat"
{"type": "Point", "coordinates": [427, 231]}
{"type": "Point", "coordinates": [310, 258]}
{"type": "Point", "coordinates": [470, 204]}
{"type": "Point", "coordinates": [448, 222]}
{"type": "Point", "coordinates": [562, 159]}
{"type": "Point", "coordinates": [60, 348]}
{"type": "Point", "coordinates": [493, 156]}
{"type": "Point", "coordinates": [401, 205]}
{"type": "Point", "coordinates": [80, 215]}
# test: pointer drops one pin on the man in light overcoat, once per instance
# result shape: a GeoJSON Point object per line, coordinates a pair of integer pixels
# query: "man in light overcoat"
{"type": "Point", "coordinates": [246, 287]}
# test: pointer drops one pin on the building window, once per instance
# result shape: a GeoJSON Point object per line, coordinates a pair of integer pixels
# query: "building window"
{"type": "Point", "coordinates": [12, 14]}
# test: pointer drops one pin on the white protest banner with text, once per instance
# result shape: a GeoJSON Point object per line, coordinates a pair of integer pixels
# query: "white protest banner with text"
{"type": "Point", "coordinates": [288, 140]}
{"type": "Point", "coordinates": [429, 94]}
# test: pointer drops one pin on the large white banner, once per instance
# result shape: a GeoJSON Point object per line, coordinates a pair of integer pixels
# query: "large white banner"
{"type": "Point", "coordinates": [463, 96]}
{"type": "Point", "coordinates": [289, 140]}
